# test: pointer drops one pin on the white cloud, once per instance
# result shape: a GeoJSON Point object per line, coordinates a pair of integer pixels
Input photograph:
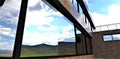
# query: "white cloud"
{"type": "Point", "coordinates": [111, 17]}
{"type": "Point", "coordinates": [39, 38]}
{"type": "Point", "coordinates": [51, 38]}
{"type": "Point", "coordinates": [47, 27]}
{"type": "Point", "coordinates": [33, 2]}
{"type": "Point", "coordinates": [37, 18]}
{"type": "Point", "coordinates": [6, 46]}
{"type": "Point", "coordinates": [8, 9]}
{"type": "Point", "coordinates": [40, 19]}
{"type": "Point", "coordinates": [7, 31]}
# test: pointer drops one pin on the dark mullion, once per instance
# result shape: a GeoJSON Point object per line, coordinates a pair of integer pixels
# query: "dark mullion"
{"type": "Point", "coordinates": [56, 4]}
{"type": "Point", "coordinates": [91, 46]}
{"type": "Point", "coordinates": [75, 40]}
{"type": "Point", "coordinates": [85, 20]}
{"type": "Point", "coordinates": [2, 2]}
{"type": "Point", "coordinates": [85, 11]}
{"type": "Point", "coordinates": [20, 29]}
{"type": "Point", "coordinates": [86, 45]}
{"type": "Point", "coordinates": [78, 7]}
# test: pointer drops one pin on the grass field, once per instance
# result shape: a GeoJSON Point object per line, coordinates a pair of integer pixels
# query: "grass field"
{"type": "Point", "coordinates": [4, 55]}
{"type": "Point", "coordinates": [37, 55]}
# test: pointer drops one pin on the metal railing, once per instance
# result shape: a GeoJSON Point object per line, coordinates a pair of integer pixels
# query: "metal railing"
{"type": "Point", "coordinates": [107, 27]}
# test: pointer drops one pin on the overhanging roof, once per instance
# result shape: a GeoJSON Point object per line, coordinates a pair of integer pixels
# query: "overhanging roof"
{"type": "Point", "coordinates": [85, 11]}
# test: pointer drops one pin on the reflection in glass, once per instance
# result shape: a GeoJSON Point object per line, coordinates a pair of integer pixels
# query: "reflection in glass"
{"type": "Point", "coordinates": [9, 13]}
{"type": "Point", "coordinates": [116, 36]}
{"type": "Point", "coordinates": [107, 37]}
{"type": "Point", "coordinates": [46, 33]}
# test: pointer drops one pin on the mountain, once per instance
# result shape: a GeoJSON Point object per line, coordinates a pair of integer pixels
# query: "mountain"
{"type": "Point", "coordinates": [63, 48]}
{"type": "Point", "coordinates": [39, 50]}
{"type": "Point", "coordinates": [5, 53]}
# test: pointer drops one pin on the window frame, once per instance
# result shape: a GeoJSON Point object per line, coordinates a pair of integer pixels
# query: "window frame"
{"type": "Point", "coordinates": [111, 37]}
{"type": "Point", "coordinates": [21, 24]}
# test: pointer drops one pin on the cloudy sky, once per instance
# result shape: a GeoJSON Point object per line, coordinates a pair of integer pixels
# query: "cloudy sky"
{"type": "Point", "coordinates": [44, 25]}
{"type": "Point", "coordinates": [104, 11]}
{"type": "Point", "coordinates": [8, 23]}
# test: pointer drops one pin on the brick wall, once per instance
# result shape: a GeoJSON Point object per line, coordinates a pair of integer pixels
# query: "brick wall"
{"type": "Point", "coordinates": [76, 57]}
{"type": "Point", "coordinates": [105, 49]}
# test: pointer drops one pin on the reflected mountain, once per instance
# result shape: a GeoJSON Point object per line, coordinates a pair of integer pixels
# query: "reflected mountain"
{"type": "Point", "coordinates": [48, 50]}
{"type": "Point", "coordinates": [5, 53]}
{"type": "Point", "coordinates": [38, 50]}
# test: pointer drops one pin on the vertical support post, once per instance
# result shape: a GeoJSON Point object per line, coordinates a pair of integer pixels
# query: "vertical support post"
{"type": "Point", "coordinates": [78, 7]}
{"type": "Point", "coordinates": [86, 45]}
{"type": "Point", "coordinates": [76, 40]}
{"type": "Point", "coordinates": [91, 45]}
{"type": "Point", "coordinates": [20, 29]}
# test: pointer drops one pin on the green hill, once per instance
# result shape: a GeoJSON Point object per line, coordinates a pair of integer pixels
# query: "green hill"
{"type": "Point", "coordinates": [39, 50]}
{"type": "Point", "coordinates": [63, 48]}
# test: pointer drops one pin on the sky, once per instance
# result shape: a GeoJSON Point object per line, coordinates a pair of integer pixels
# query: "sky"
{"type": "Point", "coordinates": [104, 11]}
{"type": "Point", "coordinates": [46, 26]}
{"type": "Point", "coordinates": [8, 23]}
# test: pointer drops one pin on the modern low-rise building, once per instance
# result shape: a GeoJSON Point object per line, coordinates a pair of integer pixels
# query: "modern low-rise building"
{"type": "Point", "coordinates": [54, 29]}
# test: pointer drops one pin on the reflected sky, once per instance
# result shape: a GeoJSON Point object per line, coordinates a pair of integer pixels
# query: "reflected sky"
{"type": "Point", "coordinates": [9, 13]}
{"type": "Point", "coordinates": [45, 26]}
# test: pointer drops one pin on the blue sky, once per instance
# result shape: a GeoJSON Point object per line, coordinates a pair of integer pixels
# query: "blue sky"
{"type": "Point", "coordinates": [8, 23]}
{"type": "Point", "coordinates": [104, 11]}
{"type": "Point", "coordinates": [101, 6]}
{"type": "Point", "coordinates": [47, 27]}
{"type": "Point", "coordinates": [43, 25]}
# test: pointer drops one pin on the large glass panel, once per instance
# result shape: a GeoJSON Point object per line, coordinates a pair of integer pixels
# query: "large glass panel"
{"type": "Point", "coordinates": [47, 32]}
{"type": "Point", "coordinates": [72, 7]}
{"type": "Point", "coordinates": [9, 13]}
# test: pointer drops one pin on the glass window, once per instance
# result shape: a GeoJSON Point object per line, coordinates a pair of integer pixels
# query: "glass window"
{"type": "Point", "coordinates": [9, 13]}
{"type": "Point", "coordinates": [47, 32]}
{"type": "Point", "coordinates": [80, 17]}
{"type": "Point", "coordinates": [116, 36]}
{"type": "Point", "coordinates": [78, 31]}
{"type": "Point", "coordinates": [107, 37]}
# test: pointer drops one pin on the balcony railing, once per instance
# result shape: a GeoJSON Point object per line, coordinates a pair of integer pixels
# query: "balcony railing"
{"type": "Point", "coordinates": [107, 27]}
